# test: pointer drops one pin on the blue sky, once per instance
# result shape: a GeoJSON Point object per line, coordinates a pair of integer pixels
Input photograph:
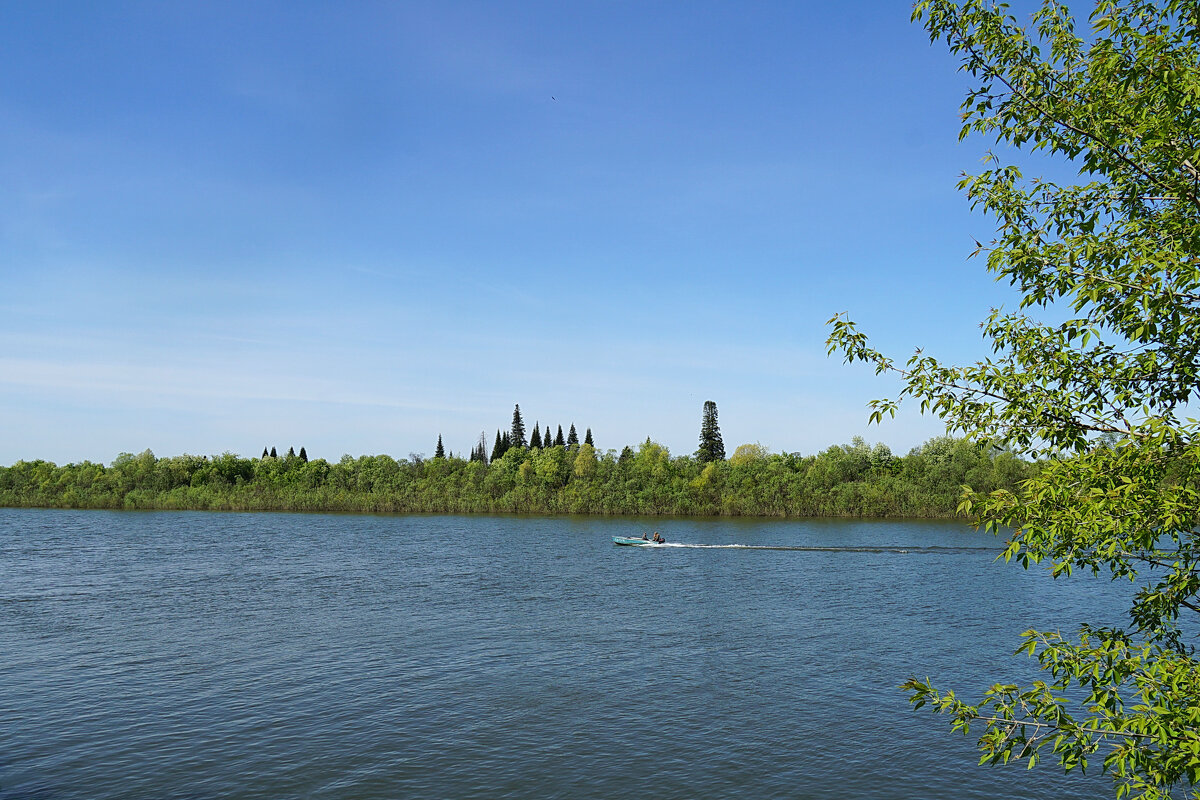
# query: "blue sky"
{"type": "Point", "coordinates": [354, 226]}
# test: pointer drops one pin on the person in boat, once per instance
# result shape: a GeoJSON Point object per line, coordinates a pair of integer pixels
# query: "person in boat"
{"type": "Point", "coordinates": [658, 539]}
{"type": "Point", "coordinates": [645, 537]}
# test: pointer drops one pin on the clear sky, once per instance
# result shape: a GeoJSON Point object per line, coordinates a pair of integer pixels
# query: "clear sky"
{"type": "Point", "coordinates": [353, 226]}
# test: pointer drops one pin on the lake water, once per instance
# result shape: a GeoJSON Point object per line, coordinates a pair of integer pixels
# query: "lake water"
{"type": "Point", "coordinates": [203, 655]}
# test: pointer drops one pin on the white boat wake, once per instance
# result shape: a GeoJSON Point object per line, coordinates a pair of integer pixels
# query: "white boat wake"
{"type": "Point", "coordinates": [916, 549]}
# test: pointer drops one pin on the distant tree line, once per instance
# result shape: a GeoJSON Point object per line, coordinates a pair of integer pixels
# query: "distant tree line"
{"type": "Point", "coordinates": [855, 479]}
{"type": "Point", "coordinates": [542, 475]}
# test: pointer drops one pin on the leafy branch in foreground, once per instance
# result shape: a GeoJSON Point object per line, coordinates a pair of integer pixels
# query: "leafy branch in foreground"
{"type": "Point", "coordinates": [1103, 393]}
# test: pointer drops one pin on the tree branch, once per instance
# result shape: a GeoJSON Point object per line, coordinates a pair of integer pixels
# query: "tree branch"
{"type": "Point", "coordinates": [1051, 726]}
{"type": "Point", "coordinates": [1097, 143]}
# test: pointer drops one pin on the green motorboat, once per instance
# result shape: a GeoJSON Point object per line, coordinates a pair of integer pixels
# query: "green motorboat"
{"type": "Point", "coordinates": [635, 541]}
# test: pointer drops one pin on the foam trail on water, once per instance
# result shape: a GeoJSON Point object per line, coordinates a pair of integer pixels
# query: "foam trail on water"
{"type": "Point", "coordinates": [817, 549]}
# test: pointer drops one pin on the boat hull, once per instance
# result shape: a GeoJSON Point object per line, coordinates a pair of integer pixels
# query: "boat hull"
{"type": "Point", "coordinates": [630, 541]}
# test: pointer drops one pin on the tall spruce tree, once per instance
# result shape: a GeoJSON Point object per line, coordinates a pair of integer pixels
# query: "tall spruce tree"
{"type": "Point", "coordinates": [535, 440]}
{"type": "Point", "coordinates": [291, 452]}
{"type": "Point", "coordinates": [517, 437]}
{"type": "Point", "coordinates": [440, 452]}
{"type": "Point", "coordinates": [711, 446]}
{"type": "Point", "coordinates": [303, 454]}
{"type": "Point", "coordinates": [498, 447]}
{"type": "Point", "coordinates": [587, 438]}
{"type": "Point", "coordinates": [572, 437]}
{"type": "Point", "coordinates": [273, 454]}
{"type": "Point", "coordinates": [559, 441]}
{"type": "Point", "coordinates": [265, 453]}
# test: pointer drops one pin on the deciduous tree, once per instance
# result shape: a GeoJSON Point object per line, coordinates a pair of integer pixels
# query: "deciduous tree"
{"type": "Point", "coordinates": [749, 453]}
{"type": "Point", "coordinates": [1117, 253]}
{"type": "Point", "coordinates": [585, 461]}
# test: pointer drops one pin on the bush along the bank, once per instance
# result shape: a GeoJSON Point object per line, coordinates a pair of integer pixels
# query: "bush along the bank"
{"type": "Point", "coordinates": [853, 480]}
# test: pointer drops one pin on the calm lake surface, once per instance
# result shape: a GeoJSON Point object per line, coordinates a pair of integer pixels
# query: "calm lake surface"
{"type": "Point", "coordinates": [204, 655]}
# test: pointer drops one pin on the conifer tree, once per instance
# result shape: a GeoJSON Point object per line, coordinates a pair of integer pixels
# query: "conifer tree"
{"type": "Point", "coordinates": [498, 447]}
{"type": "Point", "coordinates": [587, 438]}
{"type": "Point", "coordinates": [558, 439]}
{"type": "Point", "coordinates": [440, 452]}
{"type": "Point", "coordinates": [265, 453]}
{"type": "Point", "coordinates": [572, 437]}
{"type": "Point", "coordinates": [535, 440]}
{"type": "Point", "coordinates": [273, 455]}
{"type": "Point", "coordinates": [626, 455]}
{"type": "Point", "coordinates": [711, 446]}
{"type": "Point", "coordinates": [291, 452]}
{"type": "Point", "coordinates": [303, 455]}
{"type": "Point", "coordinates": [517, 436]}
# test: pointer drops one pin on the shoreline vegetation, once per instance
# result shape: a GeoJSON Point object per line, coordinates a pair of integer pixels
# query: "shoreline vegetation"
{"type": "Point", "coordinates": [852, 480]}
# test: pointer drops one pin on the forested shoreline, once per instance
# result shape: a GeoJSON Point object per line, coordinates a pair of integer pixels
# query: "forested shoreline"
{"type": "Point", "coordinates": [853, 480]}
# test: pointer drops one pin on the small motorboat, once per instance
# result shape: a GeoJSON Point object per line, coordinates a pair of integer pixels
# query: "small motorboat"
{"type": "Point", "coordinates": [635, 541]}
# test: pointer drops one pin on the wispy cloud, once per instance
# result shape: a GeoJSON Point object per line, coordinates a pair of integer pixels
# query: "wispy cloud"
{"type": "Point", "coordinates": [153, 386]}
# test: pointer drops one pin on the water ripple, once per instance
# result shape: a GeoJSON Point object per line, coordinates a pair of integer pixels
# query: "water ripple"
{"type": "Point", "coordinates": [153, 656]}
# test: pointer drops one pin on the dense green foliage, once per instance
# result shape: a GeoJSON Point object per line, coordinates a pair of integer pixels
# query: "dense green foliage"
{"type": "Point", "coordinates": [1105, 391]}
{"type": "Point", "coordinates": [850, 480]}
